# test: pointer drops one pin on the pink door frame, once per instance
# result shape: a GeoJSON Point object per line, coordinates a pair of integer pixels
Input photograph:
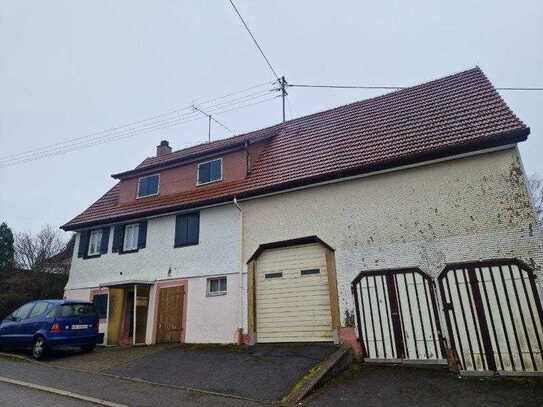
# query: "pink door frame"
{"type": "Point", "coordinates": [167, 284]}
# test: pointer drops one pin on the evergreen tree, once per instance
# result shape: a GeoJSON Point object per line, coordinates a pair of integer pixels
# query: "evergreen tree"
{"type": "Point", "coordinates": [6, 248]}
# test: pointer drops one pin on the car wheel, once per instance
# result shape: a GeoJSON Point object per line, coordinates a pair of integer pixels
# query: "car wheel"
{"type": "Point", "coordinates": [39, 348]}
{"type": "Point", "coordinates": [87, 348]}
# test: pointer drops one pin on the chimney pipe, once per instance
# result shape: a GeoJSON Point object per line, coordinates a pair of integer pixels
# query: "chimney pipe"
{"type": "Point", "coordinates": [163, 148]}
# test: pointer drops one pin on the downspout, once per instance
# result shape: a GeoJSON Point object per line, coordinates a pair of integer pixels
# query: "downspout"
{"type": "Point", "coordinates": [236, 204]}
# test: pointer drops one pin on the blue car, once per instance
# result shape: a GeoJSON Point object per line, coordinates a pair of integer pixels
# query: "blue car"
{"type": "Point", "coordinates": [50, 324]}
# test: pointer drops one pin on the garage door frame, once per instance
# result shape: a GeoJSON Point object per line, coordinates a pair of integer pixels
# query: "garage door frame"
{"type": "Point", "coordinates": [332, 282]}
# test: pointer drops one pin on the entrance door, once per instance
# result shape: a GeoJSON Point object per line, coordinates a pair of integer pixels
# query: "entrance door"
{"type": "Point", "coordinates": [494, 316]}
{"type": "Point", "coordinates": [170, 314]}
{"type": "Point", "coordinates": [396, 315]}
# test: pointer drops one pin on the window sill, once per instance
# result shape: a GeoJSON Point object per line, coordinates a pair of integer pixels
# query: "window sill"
{"type": "Point", "coordinates": [147, 196]}
{"type": "Point", "coordinates": [217, 294]}
{"type": "Point", "coordinates": [185, 245]}
{"type": "Point", "coordinates": [201, 184]}
{"type": "Point", "coordinates": [92, 256]}
{"type": "Point", "coordinates": [128, 251]}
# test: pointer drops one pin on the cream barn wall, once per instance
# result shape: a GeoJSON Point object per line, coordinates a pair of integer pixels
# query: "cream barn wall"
{"type": "Point", "coordinates": [461, 210]}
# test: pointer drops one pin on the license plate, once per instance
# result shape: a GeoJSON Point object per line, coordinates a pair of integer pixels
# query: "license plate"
{"type": "Point", "coordinates": [80, 326]}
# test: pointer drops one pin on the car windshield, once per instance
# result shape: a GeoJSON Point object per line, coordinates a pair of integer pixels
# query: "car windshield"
{"type": "Point", "coordinates": [75, 310]}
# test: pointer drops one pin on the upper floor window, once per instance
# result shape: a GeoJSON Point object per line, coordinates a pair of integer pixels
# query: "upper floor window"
{"type": "Point", "coordinates": [95, 241]}
{"type": "Point", "coordinates": [131, 233]}
{"type": "Point", "coordinates": [187, 229]}
{"type": "Point", "coordinates": [129, 238]}
{"type": "Point", "coordinates": [148, 186]}
{"type": "Point", "coordinates": [210, 171]}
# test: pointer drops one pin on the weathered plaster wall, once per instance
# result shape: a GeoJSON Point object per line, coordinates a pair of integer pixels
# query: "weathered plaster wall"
{"type": "Point", "coordinates": [467, 209]}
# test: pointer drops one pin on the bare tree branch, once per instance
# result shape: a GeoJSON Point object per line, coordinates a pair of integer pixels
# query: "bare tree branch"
{"type": "Point", "coordinates": [31, 251]}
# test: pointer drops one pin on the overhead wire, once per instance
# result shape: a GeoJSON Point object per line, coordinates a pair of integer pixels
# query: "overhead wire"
{"type": "Point", "coordinates": [124, 136]}
{"type": "Point", "coordinates": [155, 118]}
{"type": "Point", "coordinates": [153, 122]}
{"type": "Point", "coordinates": [255, 40]}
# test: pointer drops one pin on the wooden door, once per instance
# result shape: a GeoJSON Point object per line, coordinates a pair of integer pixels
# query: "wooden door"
{"type": "Point", "coordinates": [170, 314]}
{"type": "Point", "coordinates": [116, 300]}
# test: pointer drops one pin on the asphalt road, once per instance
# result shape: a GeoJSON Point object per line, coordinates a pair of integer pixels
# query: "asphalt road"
{"type": "Point", "coordinates": [12, 395]}
{"type": "Point", "coordinates": [373, 386]}
{"type": "Point", "coordinates": [106, 388]}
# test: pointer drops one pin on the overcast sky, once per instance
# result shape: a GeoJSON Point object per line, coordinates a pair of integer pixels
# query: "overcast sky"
{"type": "Point", "coordinates": [70, 68]}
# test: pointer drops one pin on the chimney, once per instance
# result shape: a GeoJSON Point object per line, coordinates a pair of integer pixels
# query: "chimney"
{"type": "Point", "coordinates": [163, 148]}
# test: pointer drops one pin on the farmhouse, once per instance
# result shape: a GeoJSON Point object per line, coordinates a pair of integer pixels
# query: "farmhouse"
{"type": "Point", "coordinates": [403, 220]}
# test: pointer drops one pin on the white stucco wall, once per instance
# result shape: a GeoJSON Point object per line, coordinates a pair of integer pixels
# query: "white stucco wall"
{"type": "Point", "coordinates": [209, 319]}
{"type": "Point", "coordinates": [212, 319]}
{"type": "Point", "coordinates": [216, 253]}
{"type": "Point", "coordinates": [462, 210]}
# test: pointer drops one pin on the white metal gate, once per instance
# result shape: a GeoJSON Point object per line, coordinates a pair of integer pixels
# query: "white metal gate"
{"type": "Point", "coordinates": [494, 316]}
{"type": "Point", "coordinates": [396, 315]}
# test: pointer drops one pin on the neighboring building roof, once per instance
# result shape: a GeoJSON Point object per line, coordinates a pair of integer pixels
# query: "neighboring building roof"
{"type": "Point", "coordinates": [65, 255]}
{"type": "Point", "coordinates": [456, 114]}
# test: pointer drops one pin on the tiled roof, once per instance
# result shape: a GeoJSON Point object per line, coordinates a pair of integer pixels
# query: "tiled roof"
{"type": "Point", "coordinates": [447, 116]}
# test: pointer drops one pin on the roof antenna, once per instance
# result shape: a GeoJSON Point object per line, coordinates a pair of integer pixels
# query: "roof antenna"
{"type": "Point", "coordinates": [209, 119]}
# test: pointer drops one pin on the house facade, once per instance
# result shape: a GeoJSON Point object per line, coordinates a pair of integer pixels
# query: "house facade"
{"type": "Point", "coordinates": [402, 221]}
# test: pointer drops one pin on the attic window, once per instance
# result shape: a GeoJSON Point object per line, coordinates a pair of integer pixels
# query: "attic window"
{"type": "Point", "coordinates": [209, 171]}
{"type": "Point", "coordinates": [148, 186]}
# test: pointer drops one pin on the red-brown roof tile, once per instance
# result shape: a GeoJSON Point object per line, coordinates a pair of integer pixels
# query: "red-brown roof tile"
{"type": "Point", "coordinates": [458, 113]}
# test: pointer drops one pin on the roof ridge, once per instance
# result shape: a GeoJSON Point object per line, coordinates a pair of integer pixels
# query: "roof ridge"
{"type": "Point", "coordinates": [308, 116]}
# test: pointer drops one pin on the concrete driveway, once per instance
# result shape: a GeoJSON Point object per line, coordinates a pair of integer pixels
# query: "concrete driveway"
{"type": "Point", "coordinates": [403, 387]}
{"type": "Point", "coordinates": [260, 372]}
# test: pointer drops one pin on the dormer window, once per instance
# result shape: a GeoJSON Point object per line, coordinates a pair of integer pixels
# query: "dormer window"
{"type": "Point", "coordinates": [210, 171]}
{"type": "Point", "coordinates": [148, 186]}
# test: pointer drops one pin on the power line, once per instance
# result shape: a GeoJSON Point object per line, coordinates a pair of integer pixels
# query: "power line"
{"type": "Point", "coordinates": [150, 121]}
{"type": "Point", "coordinates": [128, 132]}
{"type": "Point", "coordinates": [123, 136]}
{"type": "Point", "coordinates": [255, 41]}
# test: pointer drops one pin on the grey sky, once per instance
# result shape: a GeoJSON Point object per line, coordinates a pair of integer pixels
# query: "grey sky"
{"type": "Point", "coordinates": [68, 68]}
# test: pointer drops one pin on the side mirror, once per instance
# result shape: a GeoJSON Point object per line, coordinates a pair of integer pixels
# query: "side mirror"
{"type": "Point", "coordinates": [11, 318]}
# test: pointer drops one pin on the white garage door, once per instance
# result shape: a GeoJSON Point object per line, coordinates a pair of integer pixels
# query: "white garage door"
{"type": "Point", "coordinates": [292, 296]}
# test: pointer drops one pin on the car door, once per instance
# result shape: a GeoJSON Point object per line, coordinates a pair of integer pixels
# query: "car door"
{"type": "Point", "coordinates": [10, 330]}
{"type": "Point", "coordinates": [33, 322]}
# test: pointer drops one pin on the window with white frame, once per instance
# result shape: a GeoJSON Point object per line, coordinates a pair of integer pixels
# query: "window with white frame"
{"type": "Point", "coordinates": [216, 286]}
{"type": "Point", "coordinates": [210, 171]}
{"type": "Point", "coordinates": [131, 237]}
{"type": "Point", "coordinates": [95, 240]}
{"type": "Point", "coordinates": [148, 186]}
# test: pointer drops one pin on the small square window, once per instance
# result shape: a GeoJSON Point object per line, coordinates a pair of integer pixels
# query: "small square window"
{"type": "Point", "coordinates": [210, 171]}
{"type": "Point", "coordinates": [131, 234]}
{"type": "Point", "coordinates": [148, 186]}
{"type": "Point", "coordinates": [95, 240]}
{"type": "Point", "coordinates": [216, 286]}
